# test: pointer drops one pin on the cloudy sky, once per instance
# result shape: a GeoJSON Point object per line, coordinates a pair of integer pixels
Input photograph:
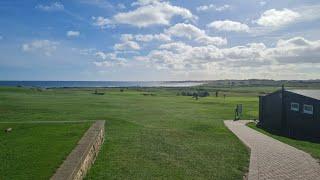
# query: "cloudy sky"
{"type": "Point", "coordinates": [159, 40]}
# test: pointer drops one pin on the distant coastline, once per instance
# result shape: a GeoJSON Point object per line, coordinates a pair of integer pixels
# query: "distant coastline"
{"type": "Point", "coordinates": [187, 83]}
{"type": "Point", "coordinates": [88, 84]}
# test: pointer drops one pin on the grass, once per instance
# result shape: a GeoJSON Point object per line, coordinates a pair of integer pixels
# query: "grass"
{"type": "Point", "coordinates": [160, 137]}
{"type": "Point", "coordinates": [312, 148]}
{"type": "Point", "coordinates": [34, 151]}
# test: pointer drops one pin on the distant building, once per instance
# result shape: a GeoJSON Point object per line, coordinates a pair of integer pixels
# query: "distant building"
{"type": "Point", "coordinates": [295, 112]}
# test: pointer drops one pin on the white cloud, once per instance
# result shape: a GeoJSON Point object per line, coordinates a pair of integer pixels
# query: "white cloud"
{"type": "Point", "coordinates": [102, 59]}
{"type": "Point", "coordinates": [126, 43]}
{"type": "Point", "coordinates": [121, 6]}
{"type": "Point", "coordinates": [192, 32]}
{"type": "Point", "coordinates": [152, 37]}
{"type": "Point", "coordinates": [101, 22]}
{"type": "Point", "coordinates": [105, 4]}
{"type": "Point", "coordinates": [296, 50]}
{"type": "Point", "coordinates": [45, 47]}
{"type": "Point", "coordinates": [262, 3]}
{"type": "Point", "coordinates": [185, 30]}
{"type": "Point", "coordinates": [126, 37]}
{"type": "Point", "coordinates": [308, 12]}
{"type": "Point", "coordinates": [276, 18]}
{"type": "Point", "coordinates": [145, 37]}
{"type": "Point", "coordinates": [273, 20]}
{"type": "Point", "coordinates": [103, 63]}
{"type": "Point", "coordinates": [213, 7]}
{"type": "Point", "coordinates": [180, 56]}
{"type": "Point", "coordinates": [228, 25]}
{"type": "Point", "coordinates": [108, 60]}
{"type": "Point", "coordinates": [86, 51]}
{"type": "Point", "coordinates": [270, 22]}
{"type": "Point", "coordinates": [73, 33]}
{"type": "Point", "coordinates": [209, 40]}
{"type": "Point", "coordinates": [252, 54]}
{"type": "Point", "coordinates": [182, 30]}
{"type": "Point", "coordinates": [149, 13]}
{"type": "Point", "coordinates": [144, 2]}
{"type": "Point", "coordinates": [55, 6]}
{"type": "Point", "coordinates": [179, 47]}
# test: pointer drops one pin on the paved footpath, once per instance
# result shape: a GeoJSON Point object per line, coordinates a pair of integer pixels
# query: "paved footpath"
{"type": "Point", "coordinates": [272, 159]}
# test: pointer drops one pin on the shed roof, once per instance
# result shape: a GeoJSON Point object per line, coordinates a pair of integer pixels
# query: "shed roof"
{"type": "Point", "coordinates": [309, 93]}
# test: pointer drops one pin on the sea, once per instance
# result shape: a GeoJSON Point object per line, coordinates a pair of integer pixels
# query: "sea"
{"type": "Point", "coordinates": [79, 84]}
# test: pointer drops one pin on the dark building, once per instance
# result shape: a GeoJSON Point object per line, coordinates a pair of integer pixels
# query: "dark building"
{"type": "Point", "coordinates": [295, 112]}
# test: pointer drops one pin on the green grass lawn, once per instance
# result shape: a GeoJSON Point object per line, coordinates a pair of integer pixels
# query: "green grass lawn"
{"type": "Point", "coordinates": [162, 137]}
{"type": "Point", "coordinates": [309, 147]}
{"type": "Point", "coordinates": [34, 151]}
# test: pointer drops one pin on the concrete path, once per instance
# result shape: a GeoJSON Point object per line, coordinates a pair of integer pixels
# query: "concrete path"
{"type": "Point", "coordinates": [272, 159]}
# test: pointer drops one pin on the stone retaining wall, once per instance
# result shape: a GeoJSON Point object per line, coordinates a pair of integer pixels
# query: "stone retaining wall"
{"type": "Point", "coordinates": [83, 155]}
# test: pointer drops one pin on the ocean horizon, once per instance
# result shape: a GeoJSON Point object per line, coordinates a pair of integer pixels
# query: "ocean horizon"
{"type": "Point", "coordinates": [83, 84]}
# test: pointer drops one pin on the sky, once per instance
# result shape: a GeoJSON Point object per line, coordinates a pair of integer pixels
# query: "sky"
{"type": "Point", "coordinates": [156, 40]}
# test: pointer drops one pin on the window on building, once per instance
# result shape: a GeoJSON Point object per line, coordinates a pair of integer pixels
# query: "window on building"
{"type": "Point", "coordinates": [295, 106]}
{"type": "Point", "coordinates": [308, 109]}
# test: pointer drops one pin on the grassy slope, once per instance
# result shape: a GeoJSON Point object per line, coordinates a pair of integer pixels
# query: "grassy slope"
{"type": "Point", "coordinates": [34, 151]}
{"type": "Point", "coordinates": [162, 136]}
{"type": "Point", "coordinates": [309, 147]}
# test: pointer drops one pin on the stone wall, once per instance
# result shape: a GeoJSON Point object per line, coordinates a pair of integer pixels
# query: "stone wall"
{"type": "Point", "coordinates": [83, 155]}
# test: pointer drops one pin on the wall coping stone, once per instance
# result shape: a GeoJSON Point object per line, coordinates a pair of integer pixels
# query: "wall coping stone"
{"type": "Point", "coordinates": [79, 161]}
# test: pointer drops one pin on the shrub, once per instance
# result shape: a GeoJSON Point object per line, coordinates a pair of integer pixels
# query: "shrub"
{"type": "Point", "coordinates": [98, 93]}
{"type": "Point", "coordinates": [194, 93]}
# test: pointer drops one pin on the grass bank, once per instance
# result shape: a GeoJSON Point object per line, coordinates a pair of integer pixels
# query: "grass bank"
{"type": "Point", "coordinates": [312, 148]}
{"type": "Point", "coordinates": [34, 151]}
{"type": "Point", "coordinates": [162, 136]}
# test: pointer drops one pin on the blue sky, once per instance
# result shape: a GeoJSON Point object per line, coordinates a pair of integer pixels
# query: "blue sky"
{"type": "Point", "coordinates": [159, 40]}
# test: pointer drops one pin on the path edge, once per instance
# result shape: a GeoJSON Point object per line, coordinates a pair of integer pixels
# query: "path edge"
{"type": "Point", "coordinates": [253, 172]}
{"type": "Point", "coordinates": [241, 140]}
{"type": "Point", "coordinates": [81, 158]}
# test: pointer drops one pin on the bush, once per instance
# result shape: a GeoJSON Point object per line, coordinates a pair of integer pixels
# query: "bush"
{"type": "Point", "coordinates": [148, 94]}
{"type": "Point", "coordinates": [194, 93]}
{"type": "Point", "coordinates": [203, 94]}
{"type": "Point", "coordinates": [98, 93]}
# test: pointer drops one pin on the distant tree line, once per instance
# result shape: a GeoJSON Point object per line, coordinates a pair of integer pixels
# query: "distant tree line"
{"type": "Point", "coordinates": [98, 93]}
{"type": "Point", "coordinates": [194, 94]}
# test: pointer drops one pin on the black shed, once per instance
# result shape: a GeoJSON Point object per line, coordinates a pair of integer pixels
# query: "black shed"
{"type": "Point", "coordinates": [295, 112]}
